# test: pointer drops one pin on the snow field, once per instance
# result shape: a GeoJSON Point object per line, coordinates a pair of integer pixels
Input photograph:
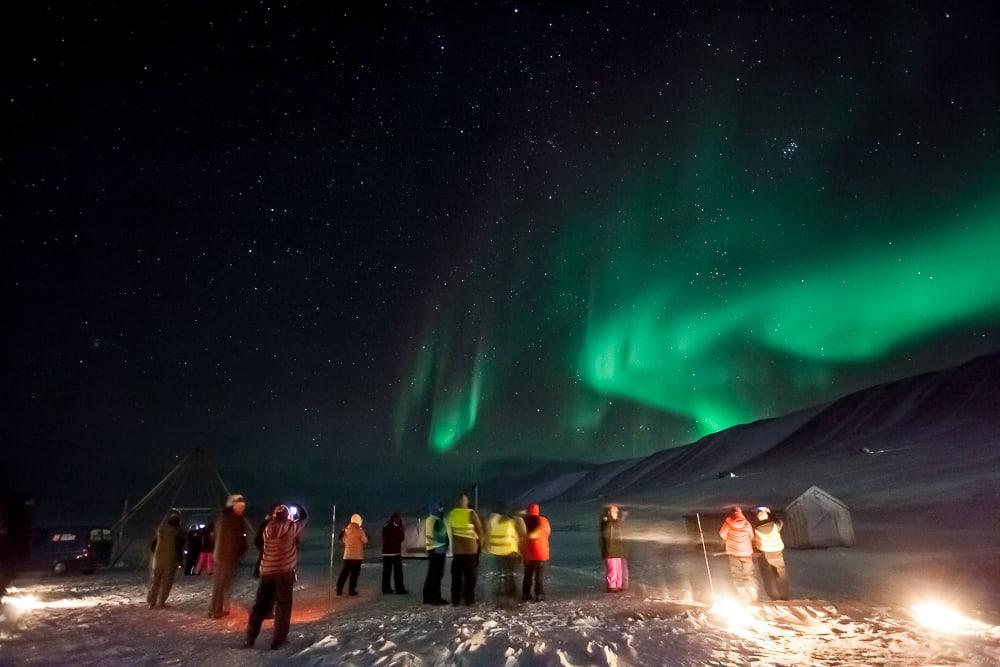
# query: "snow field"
{"type": "Point", "coordinates": [103, 620]}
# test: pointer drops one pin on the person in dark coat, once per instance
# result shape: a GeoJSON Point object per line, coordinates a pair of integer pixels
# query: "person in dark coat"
{"type": "Point", "coordinates": [436, 545]}
{"type": "Point", "coordinates": [167, 547]}
{"type": "Point", "coordinates": [192, 550]}
{"type": "Point", "coordinates": [230, 545]}
{"type": "Point", "coordinates": [613, 550]}
{"type": "Point", "coordinates": [277, 574]}
{"type": "Point", "coordinates": [393, 536]}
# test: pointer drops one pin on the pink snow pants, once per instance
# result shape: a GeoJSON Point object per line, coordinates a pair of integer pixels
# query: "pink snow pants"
{"type": "Point", "coordinates": [616, 573]}
{"type": "Point", "coordinates": [204, 563]}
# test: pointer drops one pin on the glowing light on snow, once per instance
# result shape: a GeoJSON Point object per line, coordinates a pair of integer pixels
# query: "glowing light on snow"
{"type": "Point", "coordinates": [27, 602]}
{"type": "Point", "coordinates": [944, 619]}
{"type": "Point", "coordinates": [22, 603]}
{"type": "Point", "coordinates": [736, 616]}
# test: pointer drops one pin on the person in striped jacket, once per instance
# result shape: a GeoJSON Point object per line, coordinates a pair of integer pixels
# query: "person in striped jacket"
{"type": "Point", "coordinates": [737, 532]}
{"type": "Point", "coordinates": [277, 574]}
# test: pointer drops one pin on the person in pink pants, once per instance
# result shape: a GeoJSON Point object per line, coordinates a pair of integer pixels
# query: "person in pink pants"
{"type": "Point", "coordinates": [613, 550]}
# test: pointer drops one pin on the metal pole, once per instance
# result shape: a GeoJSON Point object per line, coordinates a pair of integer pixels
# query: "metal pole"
{"type": "Point", "coordinates": [475, 493]}
{"type": "Point", "coordinates": [121, 528]}
{"type": "Point", "coordinates": [152, 492]}
{"type": "Point", "coordinates": [704, 550]}
{"type": "Point", "coordinates": [120, 524]}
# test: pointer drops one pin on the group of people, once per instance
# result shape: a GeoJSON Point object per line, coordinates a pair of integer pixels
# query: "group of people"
{"type": "Point", "coordinates": [219, 548]}
{"type": "Point", "coordinates": [278, 542]}
{"type": "Point", "coordinates": [512, 540]}
{"type": "Point", "coordinates": [199, 550]}
{"type": "Point", "coordinates": [745, 544]}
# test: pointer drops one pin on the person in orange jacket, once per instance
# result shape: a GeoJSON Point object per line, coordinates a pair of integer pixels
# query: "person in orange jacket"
{"type": "Point", "coordinates": [535, 552]}
{"type": "Point", "coordinates": [354, 538]}
{"type": "Point", "coordinates": [738, 535]}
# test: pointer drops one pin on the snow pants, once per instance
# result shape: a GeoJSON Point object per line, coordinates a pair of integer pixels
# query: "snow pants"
{"type": "Point", "coordinates": [533, 572]}
{"type": "Point", "coordinates": [273, 592]}
{"type": "Point", "coordinates": [773, 574]}
{"type": "Point", "coordinates": [464, 572]}
{"type": "Point", "coordinates": [616, 574]}
{"type": "Point", "coordinates": [161, 581]}
{"type": "Point", "coordinates": [392, 568]}
{"type": "Point", "coordinates": [191, 562]}
{"type": "Point", "coordinates": [435, 573]}
{"type": "Point", "coordinates": [204, 563]}
{"type": "Point", "coordinates": [744, 577]}
{"type": "Point", "coordinates": [507, 584]}
{"type": "Point", "coordinates": [222, 584]}
{"type": "Point", "coordinates": [351, 570]}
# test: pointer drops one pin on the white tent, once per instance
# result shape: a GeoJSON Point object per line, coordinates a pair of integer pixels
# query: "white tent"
{"type": "Point", "coordinates": [817, 519]}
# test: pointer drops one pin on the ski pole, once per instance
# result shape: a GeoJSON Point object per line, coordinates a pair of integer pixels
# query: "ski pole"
{"type": "Point", "coordinates": [333, 545]}
{"type": "Point", "coordinates": [704, 551]}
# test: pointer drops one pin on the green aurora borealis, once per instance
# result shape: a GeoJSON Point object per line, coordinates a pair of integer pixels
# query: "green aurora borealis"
{"type": "Point", "coordinates": [695, 333]}
{"type": "Point", "coordinates": [761, 253]}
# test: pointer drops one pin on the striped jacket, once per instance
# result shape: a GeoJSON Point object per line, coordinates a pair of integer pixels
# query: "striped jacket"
{"type": "Point", "coordinates": [738, 534]}
{"type": "Point", "coordinates": [281, 547]}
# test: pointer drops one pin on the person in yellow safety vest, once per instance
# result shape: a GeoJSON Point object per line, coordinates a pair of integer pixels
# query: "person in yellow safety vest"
{"type": "Point", "coordinates": [466, 540]}
{"type": "Point", "coordinates": [505, 534]}
{"type": "Point", "coordinates": [770, 555]}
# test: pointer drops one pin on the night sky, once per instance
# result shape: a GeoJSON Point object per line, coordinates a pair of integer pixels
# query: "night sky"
{"type": "Point", "coordinates": [355, 248]}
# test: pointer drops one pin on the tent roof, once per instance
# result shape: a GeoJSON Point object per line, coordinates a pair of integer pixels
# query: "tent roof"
{"type": "Point", "coordinates": [814, 491]}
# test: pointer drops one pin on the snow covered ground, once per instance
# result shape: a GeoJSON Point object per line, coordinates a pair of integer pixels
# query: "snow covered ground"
{"type": "Point", "coordinates": [665, 619]}
{"type": "Point", "coordinates": [923, 501]}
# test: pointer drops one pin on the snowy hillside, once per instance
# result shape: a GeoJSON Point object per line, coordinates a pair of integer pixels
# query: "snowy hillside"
{"type": "Point", "coordinates": [948, 420]}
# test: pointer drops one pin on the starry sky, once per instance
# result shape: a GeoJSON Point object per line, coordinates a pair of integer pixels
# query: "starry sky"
{"type": "Point", "coordinates": [354, 248]}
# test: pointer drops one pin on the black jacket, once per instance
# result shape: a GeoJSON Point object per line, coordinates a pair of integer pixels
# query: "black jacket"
{"type": "Point", "coordinates": [612, 543]}
{"type": "Point", "coordinates": [393, 536]}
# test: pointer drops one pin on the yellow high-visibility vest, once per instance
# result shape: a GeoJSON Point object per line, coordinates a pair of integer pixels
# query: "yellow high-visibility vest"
{"type": "Point", "coordinates": [503, 537]}
{"type": "Point", "coordinates": [770, 541]}
{"type": "Point", "coordinates": [460, 522]}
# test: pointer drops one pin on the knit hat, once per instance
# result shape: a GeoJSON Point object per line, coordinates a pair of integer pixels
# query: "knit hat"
{"type": "Point", "coordinates": [356, 518]}
{"type": "Point", "coordinates": [235, 498]}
